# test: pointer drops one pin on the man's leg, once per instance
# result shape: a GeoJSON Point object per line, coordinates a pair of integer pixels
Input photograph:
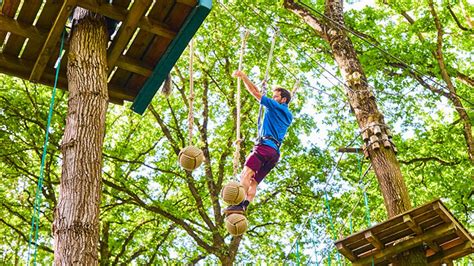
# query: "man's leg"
{"type": "Point", "coordinates": [247, 181]}
{"type": "Point", "coordinates": [246, 178]}
{"type": "Point", "coordinates": [252, 191]}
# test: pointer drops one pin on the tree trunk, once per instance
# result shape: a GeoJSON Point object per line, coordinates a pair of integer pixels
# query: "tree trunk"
{"type": "Point", "coordinates": [368, 116]}
{"type": "Point", "coordinates": [378, 145]}
{"type": "Point", "coordinates": [76, 223]}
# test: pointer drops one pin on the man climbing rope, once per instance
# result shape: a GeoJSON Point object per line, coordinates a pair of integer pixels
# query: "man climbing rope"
{"type": "Point", "coordinates": [266, 152]}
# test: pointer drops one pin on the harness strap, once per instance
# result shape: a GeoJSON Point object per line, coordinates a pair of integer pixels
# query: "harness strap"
{"type": "Point", "coordinates": [274, 140]}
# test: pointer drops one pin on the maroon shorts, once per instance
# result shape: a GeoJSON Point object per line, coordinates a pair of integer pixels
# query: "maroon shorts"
{"type": "Point", "coordinates": [262, 159]}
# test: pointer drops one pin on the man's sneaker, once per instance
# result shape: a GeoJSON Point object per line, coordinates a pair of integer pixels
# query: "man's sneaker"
{"type": "Point", "coordinates": [234, 209]}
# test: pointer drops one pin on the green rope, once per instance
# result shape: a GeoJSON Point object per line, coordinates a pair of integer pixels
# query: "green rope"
{"type": "Point", "coordinates": [297, 252]}
{"type": "Point", "coordinates": [367, 209]}
{"type": "Point", "coordinates": [39, 188]}
{"type": "Point", "coordinates": [333, 230]}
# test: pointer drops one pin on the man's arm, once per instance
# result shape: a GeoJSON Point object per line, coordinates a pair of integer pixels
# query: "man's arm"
{"type": "Point", "coordinates": [248, 84]}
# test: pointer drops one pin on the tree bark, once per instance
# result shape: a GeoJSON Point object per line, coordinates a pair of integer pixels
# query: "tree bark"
{"type": "Point", "coordinates": [76, 223]}
{"type": "Point", "coordinates": [378, 145]}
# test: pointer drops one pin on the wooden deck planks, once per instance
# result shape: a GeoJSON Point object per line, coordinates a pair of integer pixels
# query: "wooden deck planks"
{"type": "Point", "coordinates": [21, 29]}
{"type": "Point", "coordinates": [26, 16]}
{"type": "Point", "coordinates": [431, 224]}
{"type": "Point", "coordinates": [175, 18]}
{"type": "Point", "coordinates": [145, 42]}
{"type": "Point", "coordinates": [21, 68]}
{"type": "Point", "coordinates": [43, 24]}
{"type": "Point", "coordinates": [388, 227]}
{"type": "Point", "coordinates": [9, 8]}
{"type": "Point", "coordinates": [127, 29]}
{"type": "Point", "coordinates": [52, 40]}
{"type": "Point", "coordinates": [405, 245]}
{"type": "Point", "coordinates": [153, 28]}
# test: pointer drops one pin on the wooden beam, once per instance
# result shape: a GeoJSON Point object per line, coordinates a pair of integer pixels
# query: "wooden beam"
{"type": "Point", "coordinates": [434, 246]}
{"type": "Point", "coordinates": [408, 220]}
{"type": "Point", "coordinates": [52, 40]}
{"type": "Point", "coordinates": [135, 66]}
{"type": "Point", "coordinates": [127, 29]}
{"type": "Point", "coordinates": [21, 68]}
{"type": "Point", "coordinates": [156, 27]}
{"type": "Point", "coordinates": [429, 235]}
{"type": "Point", "coordinates": [130, 64]}
{"type": "Point", "coordinates": [451, 254]}
{"type": "Point", "coordinates": [26, 15]}
{"type": "Point", "coordinates": [350, 150]}
{"type": "Point", "coordinates": [21, 29]}
{"type": "Point", "coordinates": [120, 14]}
{"type": "Point", "coordinates": [346, 251]}
{"type": "Point", "coordinates": [447, 217]}
{"type": "Point", "coordinates": [191, 3]}
{"type": "Point", "coordinates": [8, 9]}
{"type": "Point", "coordinates": [191, 24]}
{"type": "Point", "coordinates": [374, 240]}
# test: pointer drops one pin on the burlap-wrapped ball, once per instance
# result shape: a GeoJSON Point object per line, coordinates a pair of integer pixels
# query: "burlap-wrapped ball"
{"type": "Point", "coordinates": [233, 193]}
{"type": "Point", "coordinates": [236, 224]}
{"type": "Point", "coordinates": [190, 157]}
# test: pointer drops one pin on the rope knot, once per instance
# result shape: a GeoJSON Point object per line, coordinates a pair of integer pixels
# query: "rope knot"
{"type": "Point", "coordinates": [238, 141]}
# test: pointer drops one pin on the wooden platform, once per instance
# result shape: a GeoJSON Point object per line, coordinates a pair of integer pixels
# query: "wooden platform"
{"type": "Point", "coordinates": [149, 41]}
{"type": "Point", "coordinates": [431, 225]}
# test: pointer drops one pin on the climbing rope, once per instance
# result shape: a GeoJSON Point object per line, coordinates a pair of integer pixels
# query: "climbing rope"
{"type": "Point", "coordinates": [238, 139]}
{"type": "Point", "coordinates": [39, 188]}
{"type": "Point", "coordinates": [265, 80]}
{"type": "Point", "coordinates": [191, 93]}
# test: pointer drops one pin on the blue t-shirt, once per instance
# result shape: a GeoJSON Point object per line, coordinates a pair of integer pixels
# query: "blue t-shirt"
{"type": "Point", "coordinates": [276, 121]}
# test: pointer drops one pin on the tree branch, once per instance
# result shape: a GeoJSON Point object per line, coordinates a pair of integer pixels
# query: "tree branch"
{"type": "Point", "coordinates": [318, 26]}
{"type": "Point", "coordinates": [456, 19]}
{"type": "Point", "coordinates": [159, 210]}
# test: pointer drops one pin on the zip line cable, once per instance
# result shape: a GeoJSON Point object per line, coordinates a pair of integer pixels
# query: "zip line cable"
{"type": "Point", "coordinates": [327, 182]}
{"type": "Point", "coordinates": [324, 189]}
{"type": "Point", "coordinates": [284, 66]}
{"type": "Point", "coordinates": [343, 27]}
{"type": "Point", "coordinates": [296, 46]}
{"type": "Point", "coordinates": [335, 98]}
{"type": "Point", "coordinates": [329, 179]}
{"type": "Point", "coordinates": [341, 82]}
{"type": "Point", "coordinates": [354, 206]}
{"type": "Point", "coordinates": [265, 80]}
